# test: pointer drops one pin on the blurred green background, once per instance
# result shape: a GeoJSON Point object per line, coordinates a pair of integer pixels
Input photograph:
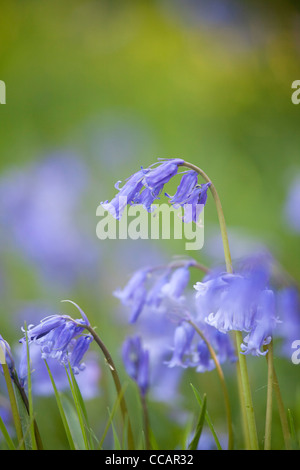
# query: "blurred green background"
{"type": "Point", "coordinates": [119, 84]}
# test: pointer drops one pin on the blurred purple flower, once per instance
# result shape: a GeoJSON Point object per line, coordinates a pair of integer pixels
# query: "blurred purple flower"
{"type": "Point", "coordinates": [136, 362]}
{"type": "Point", "coordinates": [183, 336]}
{"type": "Point", "coordinates": [292, 206]}
{"type": "Point", "coordinates": [40, 217]}
{"type": "Point", "coordinates": [240, 302]}
{"type": "Point", "coordinates": [264, 323]}
{"type": "Point", "coordinates": [154, 287]}
{"type": "Point", "coordinates": [288, 306]}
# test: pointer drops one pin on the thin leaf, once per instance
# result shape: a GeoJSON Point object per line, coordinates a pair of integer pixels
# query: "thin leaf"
{"type": "Point", "coordinates": [292, 429]}
{"type": "Point", "coordinates": [207, 418]}
{"type": "Point", "coordinates": [61, 411]}
{"type": "Point", "coordinates": [74, 424]}
{"type": "Point", "coordinates": [80, 413]}
{"type": "Point", "coordinates": [6, 435]}
{"type": "Point", "coordinates": [29, 393]}
{"type": "Point", "coordinates": [117, 445]}
{"type": "Point", "coordinates": [194, 444]}
{"type": "Point", "coordinates": [112, 414]}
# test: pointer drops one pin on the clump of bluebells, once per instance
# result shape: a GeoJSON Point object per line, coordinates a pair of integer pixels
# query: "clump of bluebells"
{"type": "Point", "coordinates": [146, 185]}
{"type": "Point", "coordinates": [245, 301]}
{"type": "Point", "coordinates": [59, 337]}
{"type": "Point", "coordinates": [227, 315]}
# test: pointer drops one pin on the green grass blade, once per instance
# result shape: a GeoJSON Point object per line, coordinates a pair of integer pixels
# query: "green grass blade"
{"type": "Point", "coordinates": [194, 443]}
{"type": "Point", "coordinates": [207, 418]}
{"type": "Point", "coordinates": [295, 442]}
{"type": "Point", "coordinates": [117, 444]}
{"type": "Point", "coordinates": [80, 413]}
{"type": "Point", "coordinates": [6, 435]}
{"type": "Point", "coordinates": [112, 414]}
{"type": "Point", "coordinates": [61, 411]}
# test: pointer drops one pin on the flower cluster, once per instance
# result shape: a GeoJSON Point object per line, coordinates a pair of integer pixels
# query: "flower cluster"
{"type": "Point", "coordinates": [59, 337]}
{"type": "Point", "coordinates": [146, 185]}
{"type": "Point", "coordinates": [240, 302]}
{"type": "Point", "coordinates": [189, 350]}
{"type": "Point", "coordinates": [152, 287]}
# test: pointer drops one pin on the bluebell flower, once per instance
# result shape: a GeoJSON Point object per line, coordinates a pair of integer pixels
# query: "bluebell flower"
{"type": "Point", "coordinates": [178, 282]}
{"type": "Point", "coordinates": [155, 178]}
{"type": "Point", "coordinates": [147, 289]}
{"type": "Point", "coordinates": [58, 337]}
{"type": "Point", "coordinates": [134, 293]}
{"type": "Point", "coordinates": [183, 337]}
{"type": "Point", "coordinates": [189, 350]}
{"type": "Point", "coordinates": [231, 299]}
{"type": "Point", "coordinates": [127, 194]}
{"type": "Point", "coordinates": [136, 362]}
{"type": "Point", "coordinates": [88, 379]}
{"type": "Point", "coordinates": [264, 322]}
{"type": "Point", "coordinates": [143, 187]}
{"type": "Point", "coordinates": [147, 196]}
{"type": "Point", "coordinates": [288, 307]}
{"type": "Point", "coordinates": [240, 302]}
{"type": "Point", "coordinates": [187, 184]}
{"type": "Point", "coordinates": [80, 347]}
{"type": "Point", "coordinates": [193, 205]}
{"type": "Point", "coordinates": [155, 293]}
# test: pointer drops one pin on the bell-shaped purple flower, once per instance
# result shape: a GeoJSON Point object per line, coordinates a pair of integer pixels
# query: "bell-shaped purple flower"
{"type": "Point", "coordinates": [136, 362]}
{"type": "Point", "coordinates": [183, 337]}
{"type": "Point", "coordinates": [288, 306]}
{"type": "Point", "coordinates": [45, 326]}
{"type": "Point", "coordinates": [177, 283]}
{"type": "Point", "coordinates": [127, 194]}
{"type": "Point", "coordinates": [57, 337]}
{"type": "Point", "coordinates": [193, 206]}
{"type": "Point", "coordinates": [155, 178]}
{"type": "Point", "coordinates": [134, 294]}
{"type": "Point", "coordinates": [80, 347]}
{"type": "Point", "coordinates": [185, 188]}
{"type": "Point", "coordinates": [263, 325]}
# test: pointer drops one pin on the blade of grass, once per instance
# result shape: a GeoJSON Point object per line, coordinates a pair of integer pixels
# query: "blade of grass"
{"type": "Point", "coordinates": [6, 435]}
{"type": "Point", "coordinates": [295, 442]}
{"type": "Point", "coordinates": [14, 406]}
{"type": "Point", "coordinates": [61, 411]}
{"type": "Point", "coordinates": [207, 417]}
{"type": "Point", "coordinates": [80, 413]}
{"type": "Point", "coordinates": [29, 394]}
{"type": "Point", "coordinates": [113, 412]}
{"type": "Point", "coordinates": [117, 445]}
{"type": "Point", "coordinates": [194, 443]}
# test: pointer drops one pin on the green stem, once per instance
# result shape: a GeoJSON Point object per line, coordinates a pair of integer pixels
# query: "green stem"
{"type": "Point", "coordinates": [26, 404]}
{"type": "Point", "coordinates": [220, 212]}
{"type": "Point", "coordinates": [14, 406]}
{"type": "Point", "coordinates": [246, 399]}
{"type": "Point", "coordinates": [146, 421]}
{"type": "Point", "coordinates": [117, 382]}
{"type": "Point", "coordinates": [222, 380]}
{"type": "Point", "coordinates": [268, 425]}
{"type": "Point", "coordinates": [282, 413]}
